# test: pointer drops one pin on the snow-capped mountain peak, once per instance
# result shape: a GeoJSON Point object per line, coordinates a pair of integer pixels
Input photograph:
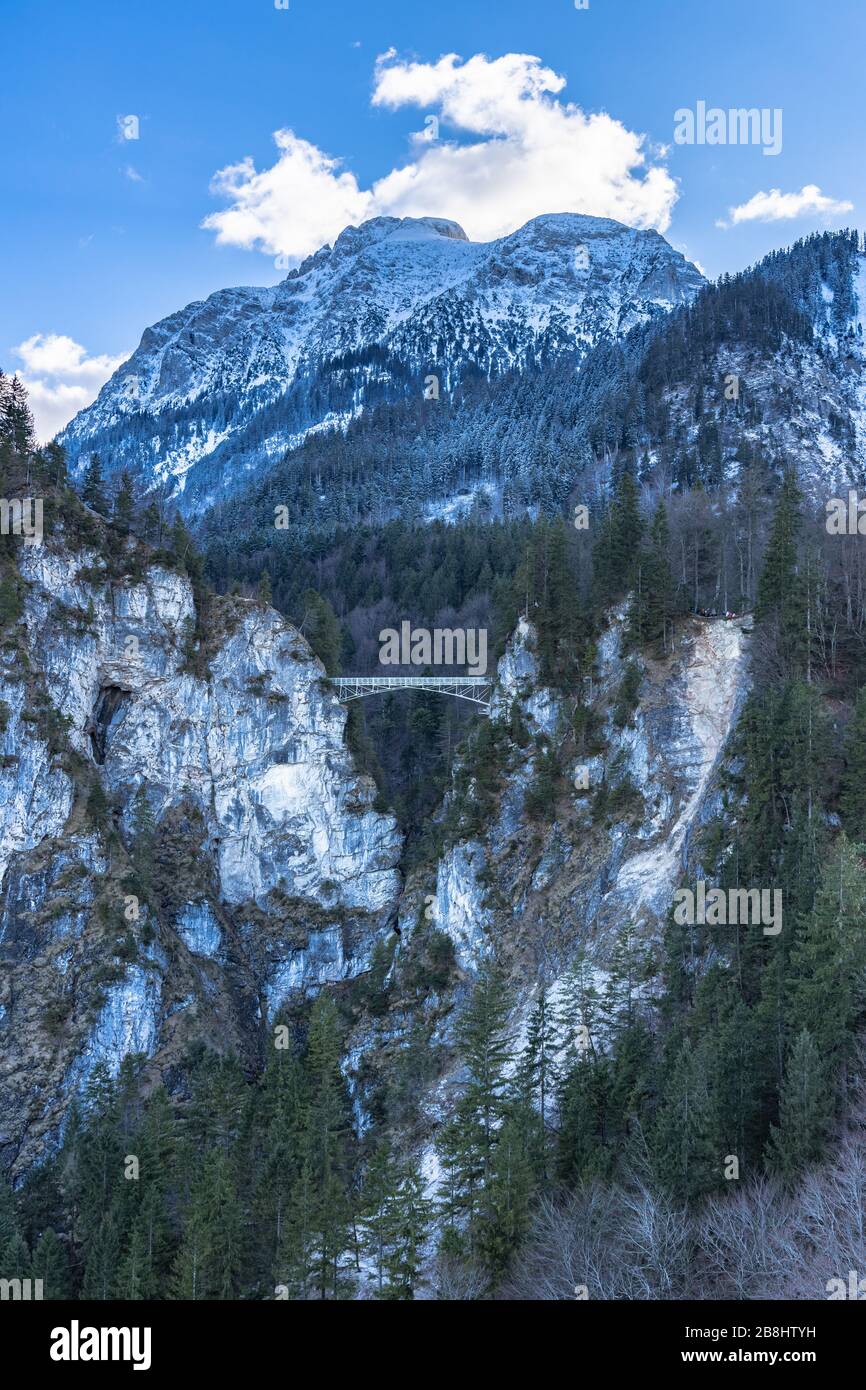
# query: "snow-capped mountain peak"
{"type": "Point", "coordinates": [226, 385]}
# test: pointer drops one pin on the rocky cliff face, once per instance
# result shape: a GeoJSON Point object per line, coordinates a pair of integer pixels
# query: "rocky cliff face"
{"type": "Point", "coordinates": [276, 871]}
{"type": "Point", "coordinates": [272, 873]}
{"type": "Point", "coordinates": [537, 891]}
{"type": "Point", "coordinates": [579, 876]}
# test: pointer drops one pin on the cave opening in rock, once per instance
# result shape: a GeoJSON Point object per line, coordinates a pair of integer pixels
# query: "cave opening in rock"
{"type": "Point", "coordinates": [107, 709]}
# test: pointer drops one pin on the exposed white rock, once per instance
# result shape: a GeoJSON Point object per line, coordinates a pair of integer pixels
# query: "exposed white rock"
{"type": "Point", "coordinates": [199, 929]}
{"type": "Point", "coordinates": [518, 678]}
{"type": "Point", "coordinates": [323, 961]}
{"type": "Point", "coordinates": [258, 745]}
{"type": "Point", "coordinates": [250, 753]}
{"type": "Point", "coordinates": [35, 796]}
{"type": "Point", "coordinates": [685, 758]}
{"type": "Point", "coordinates": [128, 1023]}
{"type": "Point", "coordinates": [457, 909]}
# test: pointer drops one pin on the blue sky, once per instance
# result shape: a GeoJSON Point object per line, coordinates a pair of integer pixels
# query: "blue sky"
{"type": "Point", "coordinates": [102, 236]}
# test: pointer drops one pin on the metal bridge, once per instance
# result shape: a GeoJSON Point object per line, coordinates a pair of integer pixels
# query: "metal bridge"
{"type": "Point", "coordinates": [476, 689]}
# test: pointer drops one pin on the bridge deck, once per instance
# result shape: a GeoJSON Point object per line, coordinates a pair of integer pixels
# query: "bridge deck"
{"type": "Point", "coordinates": [473, 688]}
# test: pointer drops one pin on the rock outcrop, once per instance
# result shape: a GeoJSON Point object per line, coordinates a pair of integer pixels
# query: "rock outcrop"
{"type": "Point", "coordinates": [277, 872]}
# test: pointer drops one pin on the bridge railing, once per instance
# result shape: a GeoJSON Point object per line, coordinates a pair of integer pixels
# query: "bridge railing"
{"type": "Point", "coordinates": [409, 681]}
{"type": "Point", "coordinates": [473, 688]}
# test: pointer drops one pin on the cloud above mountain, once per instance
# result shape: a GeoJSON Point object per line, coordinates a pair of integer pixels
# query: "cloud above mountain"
{"type": "Point", "coordinates": [776, 206]}
{"type": "Point", "coordinates": [61, 378]}
{"type": "Point", "coordinates": [498, 147]}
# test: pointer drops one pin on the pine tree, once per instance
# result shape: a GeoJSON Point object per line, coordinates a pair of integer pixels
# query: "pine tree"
{"type": "Point", "coordinates": [15, 1261]}
{"type": "Point", "coordinates": [135, 1277]}
{"type": "Point", "coordinates": [51, 1265]}
{"type": "Point", "coordinates": [94, 1157]}
{"type": "Point", "coordinates": [394, 1219]}
{"type": "Point", "coordinates": [630, 967]}
{"type": "Point", "coordinates": [380, 1184]}
{"type": "Point", "coordinates": [805, 1110]}
{"type": "Point", "coordinates": [98, 805]}
{"type": "Point", "coordinates": [827, 968]}
{"type": "Point", "coordinates": [93, 486]}
{"type": "Point", "coordinates": [148, 1254]}
{"type": "Point", "coordinates": [686, 1157]}
{"type": "Point", "coordinates": [467, 1145]}
{"type": "Point", "coordinates": [143, 822]}
{"type": "Point", "coordinates": [852, 797]}
{"type": "Point", "coordinates": [328, 1135]}
{"type": "Point", "coordinates": [410, 1214]}
{"type": "Point", "coordinates": [508, 1190]}
{"type": "Point", "coordinates": [124, 501]}
{"type": "Point", "coordinates": [580, 1151]}
{"type": "Point", "coordinates": [535, 1083]}
{"type": "Point", "coordinates": [17, 424]}
{"type": "Point", "coordinates": [781, 605]}
{"type": "Point", "coordinates": [582, 1080]}
{"type": "Point", "coordinates": [736, 1064]}
{"type": "Point", "coordinates": [143, 828]}
{"type": "Point", "coordinates": [616, 552]}
{"type": "Point", "coordinates": [558, 617]}
{"type": "Point", "coordinates": [652, 607]}
{"type": "Point", "coordinates": [8, 1218]}
{"type": "Point", "coordinates": [209, 1260]}
{"type": "Point", "coordinates": [296, 1250]}
{"type": "Point", "coordinates": [281, 1120]}
{"type": "Point", "coordinates": [103, 1259]}
{"type": "Point", "coordinates": [55, 463]}
{"type": "Point", "coordinates": [322, 630]}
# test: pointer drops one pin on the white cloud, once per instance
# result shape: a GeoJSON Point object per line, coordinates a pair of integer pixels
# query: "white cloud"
{"type": "Point", "coordinates": [286, 208]}
{"type": "Point", "coordinates": [61, 378]}
{"type": "Point", "coordinates": [776, 206]}
{"type": "Point", "coordinates": [132, 173]}
{"type": "Point", "coordinates": [522, 152]}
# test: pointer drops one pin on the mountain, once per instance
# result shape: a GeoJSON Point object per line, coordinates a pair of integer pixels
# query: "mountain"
{"type": "Point", "coordinates": [768, 364]}
{"type": "Point", "coordinates": [224, 387]}
{"type": "Point", "coordinates": [454, 1014]}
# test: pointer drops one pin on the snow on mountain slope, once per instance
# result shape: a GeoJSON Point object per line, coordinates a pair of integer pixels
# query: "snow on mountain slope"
{"type": "Point", "coordinates": [802, 402]}
{"type": "Point", "coordinates": [236, 379]}
{"type": "Point", "coordinates": [859, 408]}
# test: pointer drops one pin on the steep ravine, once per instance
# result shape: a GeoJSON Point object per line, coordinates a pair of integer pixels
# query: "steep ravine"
{"type": "Point", "coordinates": [276, 874]}
{"type": "Point", "coordinates": [534, 894]}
